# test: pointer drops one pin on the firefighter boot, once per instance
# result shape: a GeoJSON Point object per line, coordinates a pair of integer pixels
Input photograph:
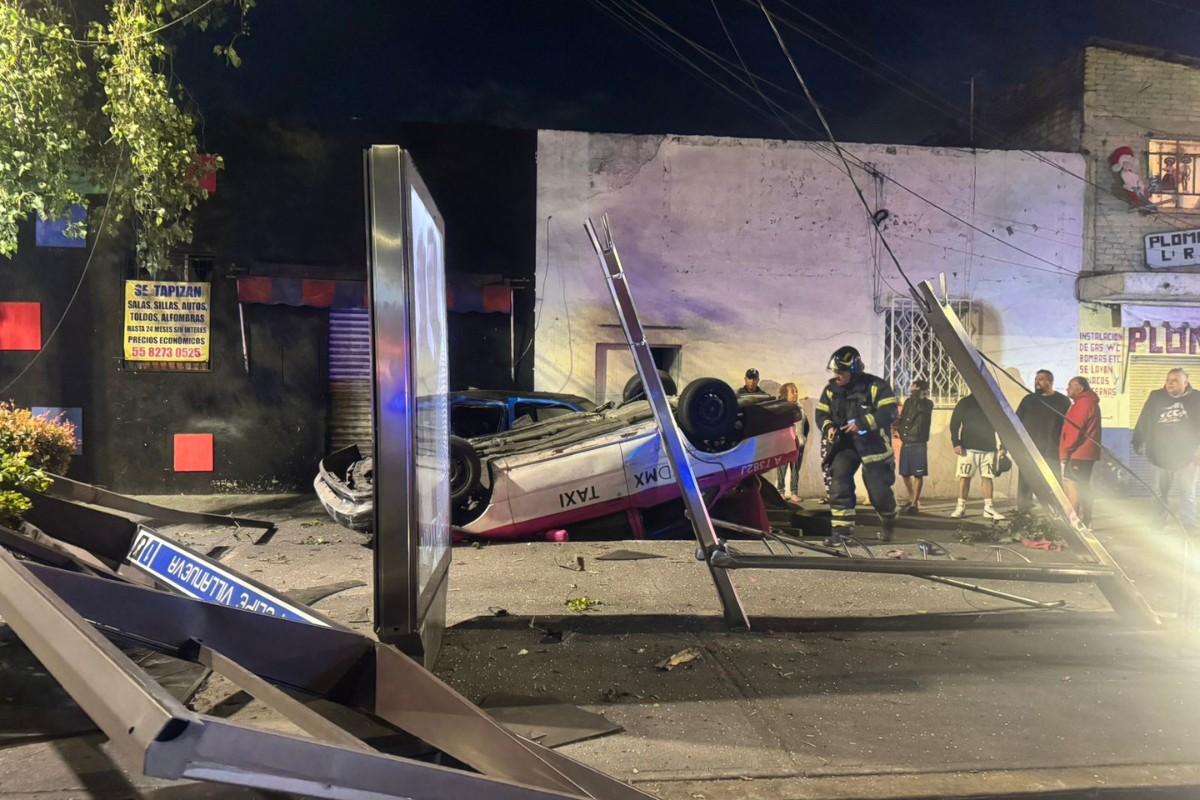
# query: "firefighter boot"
{"type": "Point", "coordinates": [887, 527]}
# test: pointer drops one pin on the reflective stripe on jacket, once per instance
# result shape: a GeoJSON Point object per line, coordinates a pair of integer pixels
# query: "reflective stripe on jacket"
{"type": "Point", "coordinates": [869, 401]}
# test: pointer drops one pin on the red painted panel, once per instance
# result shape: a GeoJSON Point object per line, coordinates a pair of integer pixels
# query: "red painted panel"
{"type": "Point", "coordinates": [20, 326]}
{"type": "Point", "coordinates": [193, 452]}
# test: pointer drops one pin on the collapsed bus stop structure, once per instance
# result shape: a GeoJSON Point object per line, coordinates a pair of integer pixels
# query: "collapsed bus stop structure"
{"type": "Point", "coordinates": [70, 606]}
{"type": "Point", "coordinates": [109, 578]}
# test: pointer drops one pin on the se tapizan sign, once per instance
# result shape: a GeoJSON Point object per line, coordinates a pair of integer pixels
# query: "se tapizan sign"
{"type": "Point", "coordinates": [1174, 249]}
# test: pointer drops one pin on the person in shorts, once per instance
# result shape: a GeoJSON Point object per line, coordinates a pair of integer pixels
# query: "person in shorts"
{"type": "Point", "coordinates": [978, 450]}
{"type": "Point", "coordinates": [913, 427]}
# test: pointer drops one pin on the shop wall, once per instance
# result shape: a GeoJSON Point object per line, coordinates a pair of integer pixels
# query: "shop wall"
{"type": "Point", "coordinates": [288, 204]}
{"type": "Point", "coordinates": [758, 253]}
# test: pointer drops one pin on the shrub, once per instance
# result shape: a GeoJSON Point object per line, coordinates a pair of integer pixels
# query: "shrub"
{"type": "Point", "coordinates": [47, 444]}
{"type": "Point", "coordinates": [18, 478]}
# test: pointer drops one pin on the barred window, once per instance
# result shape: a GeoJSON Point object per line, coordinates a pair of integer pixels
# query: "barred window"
{"type": "Point", "coordinates": [1171, 171]}
{"type": "Point", "coordinates": [913, 351]}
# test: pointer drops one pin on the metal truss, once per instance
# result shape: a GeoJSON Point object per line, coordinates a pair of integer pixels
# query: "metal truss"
{"type": "Point", "coordinates": [60, 615]}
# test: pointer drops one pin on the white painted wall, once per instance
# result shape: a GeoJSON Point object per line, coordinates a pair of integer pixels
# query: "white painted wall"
{"type": "Point", "coordinates": [758, 253]}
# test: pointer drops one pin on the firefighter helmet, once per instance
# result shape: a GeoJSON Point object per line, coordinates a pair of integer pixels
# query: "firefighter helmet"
{"type": "Point", "coordinates": [845, 359]}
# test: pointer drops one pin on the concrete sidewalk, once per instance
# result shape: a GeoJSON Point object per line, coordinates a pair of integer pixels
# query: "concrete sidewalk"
{"type": "Point", "coordinates": [849, 686]}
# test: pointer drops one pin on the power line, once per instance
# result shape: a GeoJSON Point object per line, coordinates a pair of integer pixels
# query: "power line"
{"type": "Point", "coordinates": [818, 146]}
{"type": "Point", "coordinates": [941, 105]}
{"type": "Point", "coordinates": [849, 172]}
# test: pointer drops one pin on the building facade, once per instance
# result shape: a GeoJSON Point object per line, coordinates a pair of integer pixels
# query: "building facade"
{"type": "Point", "coordinates": [1131, 114]}
{"type": "Point", "coordinates": [751, 253]}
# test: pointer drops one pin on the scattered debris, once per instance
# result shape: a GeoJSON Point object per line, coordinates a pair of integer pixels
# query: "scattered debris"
{"type": "Point", "coordinates": [578, 566]}
{"type": "Point", "coordinates": [627, 555]}
{"type": "Point", "coordinates": [682, 657]}
{"type": "Point", "coordinates": [581, 604]}
{"type": "Point", "coordinates": [1044, 544]}
{"type": "Point", "coordinates": [312, 523]}
{"type": "Point", "coordinates": [314, 540]}
{"type": "Point", "coordinates": [314, 594]}
{"type": "Point", "coordinates": [548, 719]}
{"type": "Point", "coordinates": [522, 652]}
{"type": "Point", "coordinates": [497, 611]}
{"type": "Point", "coordinates": [898, 553]}
{"type": "Point", "coordinates": [364, 615]}
{"type": "Point", "coordinates": [218, 552]}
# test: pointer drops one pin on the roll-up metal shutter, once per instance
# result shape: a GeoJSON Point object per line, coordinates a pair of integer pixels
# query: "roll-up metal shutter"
{"type": "Point", "coordinates": [350, 380]}
{"type": "Point", "coordinates": [1147, 373]}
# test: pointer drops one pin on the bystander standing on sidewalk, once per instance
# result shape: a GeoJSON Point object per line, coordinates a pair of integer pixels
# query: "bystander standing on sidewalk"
{"type": "Point", "coordinates": [1079, 447]}
{"type": "Point", "coordinates": [1168, 433]}
{"type": "Point", "coordinates": [978, 449]}
{"type": "Point", "coordinates": [1042, 413]}
{"type": "Point", "coordinates": [790, 393]}
{"type": "Point", "coordinates": [913, 427]}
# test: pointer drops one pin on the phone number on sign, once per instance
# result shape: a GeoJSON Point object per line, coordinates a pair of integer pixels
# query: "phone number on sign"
{"type": "Point", "coordinates": [166, 352]}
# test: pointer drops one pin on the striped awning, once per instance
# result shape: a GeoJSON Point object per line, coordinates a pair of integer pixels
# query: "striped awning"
{"type": "Point", "coordinates": [343, 295]}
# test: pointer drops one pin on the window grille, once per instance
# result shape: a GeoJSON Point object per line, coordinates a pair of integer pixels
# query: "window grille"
{"type": "Point", "coordinates": [1172, 173]}
{"type": "Point", "coordinates": [913, 351]}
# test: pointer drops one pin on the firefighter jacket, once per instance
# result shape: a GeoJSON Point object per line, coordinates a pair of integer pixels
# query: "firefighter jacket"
{"type": "Point", "coordinates": [867, 400]}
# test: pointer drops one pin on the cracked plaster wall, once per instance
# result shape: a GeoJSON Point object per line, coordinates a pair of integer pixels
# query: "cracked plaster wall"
{"type": "Point", "coordinates": [757, 253]}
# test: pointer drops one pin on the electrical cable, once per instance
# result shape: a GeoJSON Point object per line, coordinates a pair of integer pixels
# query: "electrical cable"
{"type": "Point", "coordinates": [819, 147]}
{"type": "Point", "coordinates": [829, 131]}
{"type": "Point", "coordinates": [942, 106]}
{"type": "Point", "coordinates": [79, 285]}
{"type": "Point", "coordinates": [537, 314]}
{"type": "Point", "coordinates": [983, 355]}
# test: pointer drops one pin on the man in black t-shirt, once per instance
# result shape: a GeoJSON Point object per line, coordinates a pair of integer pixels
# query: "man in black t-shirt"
{"type": "Point", "coordinates": [1042, 413]}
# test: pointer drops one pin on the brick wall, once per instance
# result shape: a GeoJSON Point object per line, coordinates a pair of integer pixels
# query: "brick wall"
{"type": "Point", "coordinates": [1129, 99]}
{"type": "Point", "coordinates": [1044, 113]}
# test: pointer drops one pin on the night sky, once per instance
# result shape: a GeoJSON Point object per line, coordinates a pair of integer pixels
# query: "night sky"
{"type": "Point", "coordinates": [586, 64]}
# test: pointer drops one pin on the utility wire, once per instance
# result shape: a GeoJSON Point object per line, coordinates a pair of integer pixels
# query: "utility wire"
{"type": "Point", "coordinates": [820, 147]}
{"type": "Point", "coordinates": [942, 106]}
{"type": "Point", "coordinates": [1112, 456]}
{"type": "Point", "coordinates": [986, 358]}
{"type": "Point", "coordinates": [833, 140]}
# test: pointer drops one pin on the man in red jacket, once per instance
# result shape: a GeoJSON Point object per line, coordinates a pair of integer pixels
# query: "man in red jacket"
{"type": "Point", "coordinates": [1079, 446]}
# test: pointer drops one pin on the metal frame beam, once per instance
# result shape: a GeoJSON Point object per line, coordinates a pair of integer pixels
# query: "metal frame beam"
{"type": "Point", "coordinates": [335, 664]}
{"type": "Point", "coordinates": [67, 489]}
{"type": "Point", "coordinates": [1116, 587]}
{"type": "Point", "coordinates": [685, 476]}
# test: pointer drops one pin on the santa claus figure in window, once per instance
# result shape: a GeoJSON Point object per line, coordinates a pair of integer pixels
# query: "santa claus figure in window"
{"type": "Point", "coordinates": [1124, 163]}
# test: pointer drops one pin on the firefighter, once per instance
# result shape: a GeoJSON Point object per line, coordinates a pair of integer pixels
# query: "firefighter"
{"type": "Point", "coordinates": [855, 414]}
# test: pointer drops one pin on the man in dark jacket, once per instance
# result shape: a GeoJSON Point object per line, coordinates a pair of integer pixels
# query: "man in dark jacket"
{"type": "Point", "coordinates": [1168, 433]}
{"type": "Point", "coordinates": [855, 414]}
{"type": "Point", "coordinates": [975, 441]}
{"type": "Point", "coordinates": [913, 427]}
{"type": "Point", "coordinates": [1042, 412]}
{"type": "Point", "coordinates": [1079, 447]}
{"type": "Point", "coordinates": [751, 386]}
